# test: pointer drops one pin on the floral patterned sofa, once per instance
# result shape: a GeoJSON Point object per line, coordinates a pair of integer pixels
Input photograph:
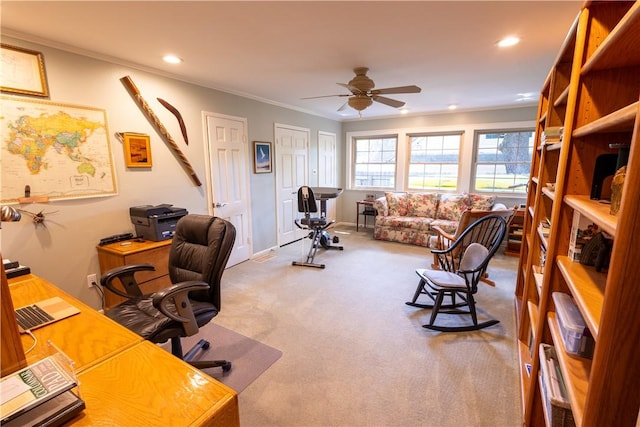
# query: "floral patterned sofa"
{"type": "Point", "coordinates": [408, 217]}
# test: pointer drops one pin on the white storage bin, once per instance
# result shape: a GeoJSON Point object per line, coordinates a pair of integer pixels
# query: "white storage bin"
{"type": "Point", "coordinates": [575, 335]}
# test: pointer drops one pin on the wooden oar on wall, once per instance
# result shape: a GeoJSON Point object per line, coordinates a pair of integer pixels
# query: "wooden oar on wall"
{"type": "Point", "coordinates": [133, 90]}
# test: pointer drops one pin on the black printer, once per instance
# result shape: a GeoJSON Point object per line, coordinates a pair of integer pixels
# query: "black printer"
{"type": "Point", "coordinates": [156, 223]}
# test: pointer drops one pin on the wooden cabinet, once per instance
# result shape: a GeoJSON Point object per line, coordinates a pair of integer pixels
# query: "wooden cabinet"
{"type": "Point", "coordinates": [137, 252]}
{"type": "Point", "coordinates": [592, 94]}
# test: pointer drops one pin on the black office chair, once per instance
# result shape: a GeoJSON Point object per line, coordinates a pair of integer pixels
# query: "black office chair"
{"type": "Point", "coordinates": [462, 266]}
{"type": "Point", "coordinates": [199, 253]}
{"type": "Point", "coordinates": [316, 224]}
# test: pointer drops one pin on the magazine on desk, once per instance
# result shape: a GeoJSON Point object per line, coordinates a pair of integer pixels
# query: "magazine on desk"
{"type": "Point", "coordinates": [32, 386]}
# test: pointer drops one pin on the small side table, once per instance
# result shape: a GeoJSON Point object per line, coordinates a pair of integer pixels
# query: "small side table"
{"type": "Point", "coordinates": [366, 212]}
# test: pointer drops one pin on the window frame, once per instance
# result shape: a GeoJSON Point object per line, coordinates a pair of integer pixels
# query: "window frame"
{"type": "Point", "coordinates": [475, 162]}
{"type": "Point", "coordinates": [459, 133]}
{"type": "Point", "coordinates": [352, 158]}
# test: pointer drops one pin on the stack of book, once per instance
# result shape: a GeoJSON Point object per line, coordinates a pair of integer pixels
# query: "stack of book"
{"type": "Point", "coordinates": [40, 394]}
{"type": "Point", "coordinates": [552, 135]}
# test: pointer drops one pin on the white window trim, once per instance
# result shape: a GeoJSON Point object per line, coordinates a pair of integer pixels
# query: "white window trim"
{"type": "Point", "coordinates": [473, 164]}
{"type": "Point", "coordinates": [466, 150]}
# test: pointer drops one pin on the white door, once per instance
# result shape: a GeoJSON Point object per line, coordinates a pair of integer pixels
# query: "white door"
{"type": "Point", "coordinates": [227, 155]}
{"type": "Point", "coordinates": [327, 172]}
{"type": "Point", "coordinates": [292, 172]}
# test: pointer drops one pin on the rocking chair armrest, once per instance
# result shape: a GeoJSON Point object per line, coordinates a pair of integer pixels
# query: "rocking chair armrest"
{"type": "Point", "coordinates": [126, 275]}
{"type": "Point", "coordinates": [179, 295]}
{"type": "Point", "coordinates": [441, 233]}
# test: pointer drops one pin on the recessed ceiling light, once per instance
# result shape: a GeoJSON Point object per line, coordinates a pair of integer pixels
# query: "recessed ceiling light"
{"type": "Point", "coordinates": [404, 111]}
{"type": "Point", "coordinates": [452, 107]}
{"type": "Point", "coordinates": [171, 59]}
{"type": "Point", "coordinates": [509, 41]}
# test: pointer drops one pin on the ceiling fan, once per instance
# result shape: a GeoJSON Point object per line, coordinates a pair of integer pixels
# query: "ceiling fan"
{"type": "Point", "coordinates": [363, 93]}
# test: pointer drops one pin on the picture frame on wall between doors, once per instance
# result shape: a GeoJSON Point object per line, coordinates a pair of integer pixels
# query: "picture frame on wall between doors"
{"type": "Point", "coordinates": [262, 158]}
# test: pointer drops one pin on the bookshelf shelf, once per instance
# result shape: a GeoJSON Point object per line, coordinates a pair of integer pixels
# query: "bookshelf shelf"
{"type": "Point", "coordinates": [595, 211]}
{"type": "Point", "coordinates": [587, 287]}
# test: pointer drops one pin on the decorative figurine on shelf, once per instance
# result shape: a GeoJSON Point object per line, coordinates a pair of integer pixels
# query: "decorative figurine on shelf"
{"type": "Point", "coordinates": [616, 190]}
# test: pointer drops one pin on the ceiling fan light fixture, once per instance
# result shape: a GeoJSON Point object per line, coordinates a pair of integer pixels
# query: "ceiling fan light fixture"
{"type": "Point", "coordinates": [359, 102]}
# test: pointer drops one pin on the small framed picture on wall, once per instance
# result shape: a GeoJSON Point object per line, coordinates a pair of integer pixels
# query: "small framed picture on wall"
{"type": "Point", "coordinates": [137, 150]}
{"type": "Point", "coordinates": [262, 161]}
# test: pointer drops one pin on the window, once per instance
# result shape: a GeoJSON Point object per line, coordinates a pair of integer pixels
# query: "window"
{"type": "Point", "coordinates": [503, 161]}
{"type": "Point", "coordinates": [375, 162]}
{"type": "Point", "coordinates": [433, 161]}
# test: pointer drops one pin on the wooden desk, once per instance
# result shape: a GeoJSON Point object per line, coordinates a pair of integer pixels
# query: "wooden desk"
{"type": "Point", "coordinates": [137, 252]}
{"type": "Point", "coordinates": [87, 338]}
{"type": "Point", "coordinates": [144, 386]}
{"type": "Point", "coordinates": [125, 380]}
{"type": "Point", "coordinates": [366, 212]}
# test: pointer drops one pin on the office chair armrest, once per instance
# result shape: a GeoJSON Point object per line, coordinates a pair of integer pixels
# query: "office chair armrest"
{"type": "Point", "coordinates": [126, 275]}
{"type": "Point", "coordinates": [181, 310]}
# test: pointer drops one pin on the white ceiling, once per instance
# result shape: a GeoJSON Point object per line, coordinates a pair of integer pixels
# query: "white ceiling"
{"type": "Point", "coordinates": [280, 52]}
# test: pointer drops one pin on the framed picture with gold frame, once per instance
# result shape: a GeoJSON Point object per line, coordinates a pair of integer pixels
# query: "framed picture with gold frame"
{"type": "Point", "coordinates": [137, 150]}
{"type": "Point", "coordinates": [22, 71]}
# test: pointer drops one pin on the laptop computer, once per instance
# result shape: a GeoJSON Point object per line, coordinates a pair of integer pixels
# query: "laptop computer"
{"type": "Point", "coordinates": [43, 313]}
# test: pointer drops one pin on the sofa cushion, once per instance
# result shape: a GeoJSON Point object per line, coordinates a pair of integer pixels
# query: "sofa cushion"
{"type": "Point", "coordinates": [422, 204]}
{"type": "Point", "coordinates": [408, 222]}
{"type": "Point", "coordinates": [446, 224]}
{"type": "Point", "coordinates": [451, 206]}
{"type": "Point", "coordinates": [481, 202]}
{"type": "Point", "coordinates": [397, 203]}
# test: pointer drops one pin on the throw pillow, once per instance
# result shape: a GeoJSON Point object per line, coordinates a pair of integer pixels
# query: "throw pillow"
{"type": "Point", "coordinates": [481, 202]}
{"type": "Point", "coordinates": [451, 206]}
{"type": "Point", "coordinates": [397, 204]}
{"type": "Point", "coordinates": [422, 204]}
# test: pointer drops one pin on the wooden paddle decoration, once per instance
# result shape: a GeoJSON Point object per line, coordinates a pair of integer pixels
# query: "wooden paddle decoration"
{"type": "Point", "coordinates": [133, 90]}
{"type": "Point", "coordinates": [176, 113]}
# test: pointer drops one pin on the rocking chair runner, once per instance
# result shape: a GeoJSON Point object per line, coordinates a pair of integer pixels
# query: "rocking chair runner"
{"type": "Point", "coordinates": [462, 266]}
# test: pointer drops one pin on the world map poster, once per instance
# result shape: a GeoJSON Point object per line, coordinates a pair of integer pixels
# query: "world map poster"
{"type": "Point", "coordinates": [60, 151]}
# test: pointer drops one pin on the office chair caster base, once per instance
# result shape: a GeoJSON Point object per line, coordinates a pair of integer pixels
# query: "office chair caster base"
{"type": "Point", "coordinates": [336, 239]}
{"type": "Point", "coordinates": [461, 328]}
{"type": "Point", "coordinates": [226, 367]}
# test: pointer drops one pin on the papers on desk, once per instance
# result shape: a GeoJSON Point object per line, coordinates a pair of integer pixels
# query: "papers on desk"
{"type": "Point", "coordinates": [32, 386]}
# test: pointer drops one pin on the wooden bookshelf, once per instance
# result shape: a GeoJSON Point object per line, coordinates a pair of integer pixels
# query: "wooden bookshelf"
{"type": "Point", "coordinates": [592, 92]}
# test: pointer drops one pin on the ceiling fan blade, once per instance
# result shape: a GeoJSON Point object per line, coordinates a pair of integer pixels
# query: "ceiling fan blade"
{"type": "Point", "coordinates": [388, 101]}
{"type": "Point", "coordinates": [343, 107]}
{"type": "Point", "coordinates": [354, 90]}
{"type": "Point", "coordinates": [399, 89]}
{"type": "Point", "coordinates": [324, 96]}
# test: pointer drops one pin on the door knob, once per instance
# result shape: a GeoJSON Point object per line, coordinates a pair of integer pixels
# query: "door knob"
{"type": "Point", "coordinates": [219, 205]}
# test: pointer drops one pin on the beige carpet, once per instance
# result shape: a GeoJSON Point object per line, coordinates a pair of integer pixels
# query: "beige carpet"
{"type": "Point", "coordinates": [355, 355]}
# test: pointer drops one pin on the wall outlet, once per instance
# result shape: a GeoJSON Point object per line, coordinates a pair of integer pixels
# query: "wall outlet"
{"type": "Point", "coordinates": [91, 279]}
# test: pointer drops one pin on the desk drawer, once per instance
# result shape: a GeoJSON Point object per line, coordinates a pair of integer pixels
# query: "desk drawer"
{"type": "Point", "coordinates": [158, 257]}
